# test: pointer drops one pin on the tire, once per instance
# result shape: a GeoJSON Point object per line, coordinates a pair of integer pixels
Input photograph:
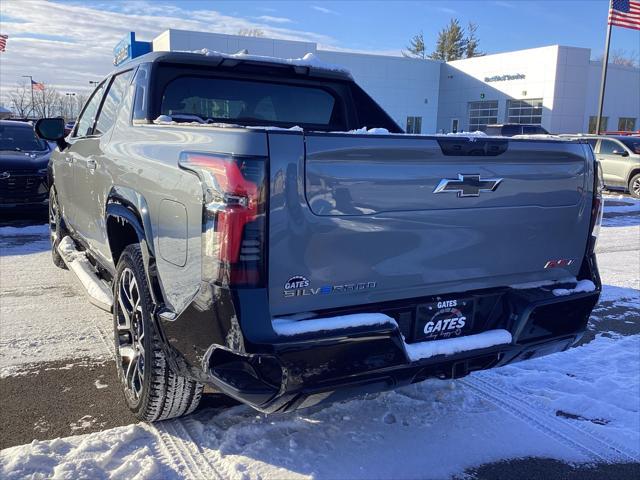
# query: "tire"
{"type": "Point", "coordinates": [56, 230]}
{"type": "Point", "coordinates": [151, 389]}
{"type": "Point", "coordinates": [634, 186]}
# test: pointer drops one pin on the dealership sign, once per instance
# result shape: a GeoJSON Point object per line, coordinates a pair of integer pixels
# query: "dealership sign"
{"type": "Point", "coordinates": [129, 48]}
{"type": "Point", "coordinates": [502, 78]}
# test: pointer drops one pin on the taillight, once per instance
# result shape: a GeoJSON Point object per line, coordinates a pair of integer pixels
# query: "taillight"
{"type": "Point", "coordinates": [233, 216]}
{"type": "Point", "coordinates": [597, 207]}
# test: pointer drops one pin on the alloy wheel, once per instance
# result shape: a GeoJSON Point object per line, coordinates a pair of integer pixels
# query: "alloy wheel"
{"type": "Point", "coordinates": [130, 334]}
{"type": "Point", "coordinates": [635, 187]}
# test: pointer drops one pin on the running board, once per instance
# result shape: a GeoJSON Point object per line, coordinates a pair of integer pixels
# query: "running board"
{"type": "Point", "coordinates": [99, 293]}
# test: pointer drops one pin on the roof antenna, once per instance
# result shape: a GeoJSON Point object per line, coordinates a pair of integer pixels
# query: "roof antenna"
{"type": "Point", "coordinates": [244, 51]}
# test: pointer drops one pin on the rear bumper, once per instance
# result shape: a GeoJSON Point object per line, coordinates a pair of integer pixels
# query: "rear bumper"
{"type": "Point", "coordinates": [277, 374]}
{"type": "Point", "coordinates": [310, 369]}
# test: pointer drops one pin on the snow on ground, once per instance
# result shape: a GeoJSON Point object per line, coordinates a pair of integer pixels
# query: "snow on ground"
{"type": "Point", "coordinates": [40, 322]}
{"type": "Point", "coordinates": [578, 406]}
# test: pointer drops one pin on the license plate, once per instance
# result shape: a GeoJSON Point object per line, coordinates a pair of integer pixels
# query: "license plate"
{"type": "Point", "coordinates": [444, 319]}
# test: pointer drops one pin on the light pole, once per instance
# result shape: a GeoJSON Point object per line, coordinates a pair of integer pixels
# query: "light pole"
{"type": "Point", "coordinates": [93, 83]}
{"type": "Point", "coordinates": [70, 101]}
{"type": "Point", "coordinates": [33, 102]}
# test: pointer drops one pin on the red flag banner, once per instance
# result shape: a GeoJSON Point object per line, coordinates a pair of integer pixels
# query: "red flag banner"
{"type": "Point", "coordinates": [37, 86]}
{"type": "Point", "coordinates": [3, 42]}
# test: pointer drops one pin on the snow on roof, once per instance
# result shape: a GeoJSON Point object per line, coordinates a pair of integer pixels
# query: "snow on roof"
{"type": "Point", "coordinates": [309, 60]}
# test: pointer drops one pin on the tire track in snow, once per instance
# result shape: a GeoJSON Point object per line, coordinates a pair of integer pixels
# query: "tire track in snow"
{"type": "Point", "coordinates": [577, 437]}
{"type": "Point", "coordinates": [177, 445]}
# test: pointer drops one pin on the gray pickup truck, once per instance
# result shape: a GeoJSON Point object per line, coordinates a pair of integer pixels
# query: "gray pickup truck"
{"type": "Point", "coordinates": [249, 233]}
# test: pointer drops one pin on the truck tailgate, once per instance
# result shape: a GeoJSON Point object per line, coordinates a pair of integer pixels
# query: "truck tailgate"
{"type": "Point", "coordinates": [354, 219]}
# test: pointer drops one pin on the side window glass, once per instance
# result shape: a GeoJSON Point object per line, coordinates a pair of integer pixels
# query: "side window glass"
{"type": "Point", "coordinates": [607, 147]}
{"type": "Point", "coordinates": [85, 122]}
{"type": "Point", "coordinates": [109, 110]}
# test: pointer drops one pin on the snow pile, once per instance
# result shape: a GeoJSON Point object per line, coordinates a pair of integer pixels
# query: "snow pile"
{"type": "Point", "coordinates": [581, 286]}
{"type": "Point", "coordinates": [288, 326]}
{"type": "Point", "coordinates": [450, 346]}
{"type": "Point", "coordinates": [597, 384]}
{"type": "Point", "coordinates": [44, 313]}
{"type": "Point", "coordinates": [308, 60]}
{"type": "Point", "coordinates": [123, 452]}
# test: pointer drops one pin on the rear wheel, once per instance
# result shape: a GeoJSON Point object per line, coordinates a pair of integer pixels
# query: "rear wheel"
{"type": "Point", "coordinates": [634, 186]}
{"type": "Point", "coordinates": [56, 230]}
{"type": "Point", "coordinates": [152, 390]}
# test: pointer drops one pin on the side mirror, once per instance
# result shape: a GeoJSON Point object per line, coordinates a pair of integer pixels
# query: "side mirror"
{"type": "Point", "coordinates": [52, 129]}
{"type": "Point", "coordinates": [622, 153]}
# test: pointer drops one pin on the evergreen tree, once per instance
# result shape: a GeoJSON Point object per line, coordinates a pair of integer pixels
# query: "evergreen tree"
{"type": "Point", "coordinates": [416, 47]}
{"type": "Point", "coordinates": [451, 43]}
{"type": "Point", "coordinates": [472, 41]}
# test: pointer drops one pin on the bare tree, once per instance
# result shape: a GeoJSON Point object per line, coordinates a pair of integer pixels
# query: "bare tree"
{"type": "Point", "coordinates": [619, 56]}
{"type": "Point", "coordinates": [47, 102]}
{"type": "Point", "coordinates": [20, 99]}
{"type": "Point", "coordinates": [251, 32]}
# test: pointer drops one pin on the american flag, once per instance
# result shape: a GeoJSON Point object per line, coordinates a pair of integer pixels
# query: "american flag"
{"type": "Point", "coordinates": [3, 42]}
{"type": "Point", "coordinates": [37, 85]}
{"type": "Point", "coordinates": [625, 13]}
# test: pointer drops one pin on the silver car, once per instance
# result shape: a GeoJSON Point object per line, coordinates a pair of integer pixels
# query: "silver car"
{"type": "Point", "coordinates": [619, 157]}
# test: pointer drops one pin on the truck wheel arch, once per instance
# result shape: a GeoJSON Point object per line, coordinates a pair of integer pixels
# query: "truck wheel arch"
{"type": "Point", "coordinates": [127, 221]}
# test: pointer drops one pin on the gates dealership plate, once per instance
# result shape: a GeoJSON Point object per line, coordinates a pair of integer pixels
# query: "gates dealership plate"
{"type": "Point", "coordinates": [444, 319]}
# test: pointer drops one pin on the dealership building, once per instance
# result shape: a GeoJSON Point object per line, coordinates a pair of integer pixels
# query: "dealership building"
{"type": "Point", "coordinates": [554, 86]}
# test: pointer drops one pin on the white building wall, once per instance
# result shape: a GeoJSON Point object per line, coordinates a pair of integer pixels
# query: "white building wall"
{"type": "Point", "coordinates": [402, 86]}
{"type": "Point", "coordinates": [463, 81]}
{"type": "Point", "coordinates": [622, 94]}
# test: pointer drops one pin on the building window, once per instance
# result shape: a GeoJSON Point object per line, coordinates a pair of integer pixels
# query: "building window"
{"type": "Point", "coordinates": [603, 124]}
{"type": "Point", "coordinates": [626, 124]}
{"type": "Point", "coordinates": [482, 114]}
{"type": "Point", "coordinates": [525, 111]}
{"type": "Point", "coordinates": [414, 124]}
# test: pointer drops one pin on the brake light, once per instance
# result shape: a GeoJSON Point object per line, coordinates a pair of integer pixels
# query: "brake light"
{"type": "Point", "coordinates": [597, 207]}
{"type": "Point", "coordinates": [233, 189]}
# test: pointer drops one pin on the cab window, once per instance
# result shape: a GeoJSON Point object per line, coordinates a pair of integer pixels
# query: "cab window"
{"type": "Point", "coordinates": [84, 127]}
{"type": "Point", "coordinates": [109, 110]}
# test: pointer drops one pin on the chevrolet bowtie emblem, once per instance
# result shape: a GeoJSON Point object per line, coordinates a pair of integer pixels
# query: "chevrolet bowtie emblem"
{"type": "Point", "coordinates": [468, 185]}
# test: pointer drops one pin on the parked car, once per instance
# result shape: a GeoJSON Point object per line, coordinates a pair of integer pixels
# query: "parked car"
{"type": "Point", "coordinates": [23, 166]}
{"type": "Point", "coordinates": [69, 127]}
{"type": "Point", "coordinates": [619, 156]}
{"type": "Point", "coordinates": [249, 233]}
{"type": "Point", "coordinates": [511, 129]}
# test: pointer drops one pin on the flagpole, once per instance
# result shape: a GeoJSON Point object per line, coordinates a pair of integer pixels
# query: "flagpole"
{"type": "Point", "coordinates": [603, 81]}
{"type": "Point", "coordinates": [33, 102]}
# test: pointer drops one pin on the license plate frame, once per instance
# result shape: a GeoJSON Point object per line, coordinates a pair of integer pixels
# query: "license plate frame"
{"type": "Point", "coordinates": [443, 319]}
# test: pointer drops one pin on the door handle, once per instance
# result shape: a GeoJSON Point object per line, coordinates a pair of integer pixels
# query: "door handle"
{"type": "Point", "coordinates": [91, 164]}
{"type": "Point", "coordinates": [69, 159]}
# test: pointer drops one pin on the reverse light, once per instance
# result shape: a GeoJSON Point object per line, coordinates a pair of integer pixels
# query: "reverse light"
{"type": "Point", "coordinates": [233, 189]}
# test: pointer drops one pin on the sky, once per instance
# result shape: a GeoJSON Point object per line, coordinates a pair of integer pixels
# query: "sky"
{"type": "Point", "coordinates": [67, 43]}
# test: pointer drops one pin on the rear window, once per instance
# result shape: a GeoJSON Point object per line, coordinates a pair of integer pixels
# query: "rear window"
{"type": "Point", "coordinates": [20, 138]}
{"type": "Point", "coordinates": [250, 102]}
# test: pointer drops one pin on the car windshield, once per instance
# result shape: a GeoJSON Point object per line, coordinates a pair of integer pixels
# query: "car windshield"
{"type": "Point", "coordinates": [632, 143]}
{"type": "Point", "coordinates": [249, 102]}
{"type": "Point", "coordinates": [19, 138]}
